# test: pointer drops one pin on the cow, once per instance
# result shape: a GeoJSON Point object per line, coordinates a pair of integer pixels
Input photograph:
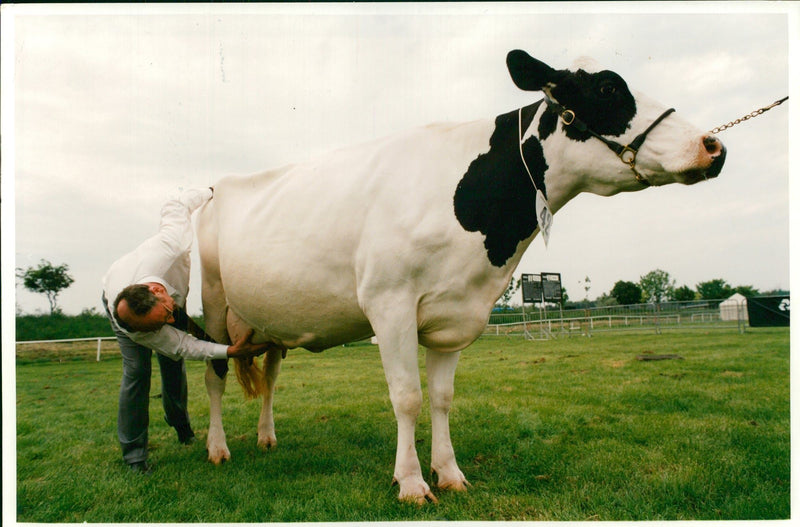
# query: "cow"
{"type": "Point", "coordinates": [412, 238]}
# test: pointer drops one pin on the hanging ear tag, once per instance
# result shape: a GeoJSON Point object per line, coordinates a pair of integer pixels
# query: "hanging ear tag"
{"type": "Point", "coordinates": [543, 216]}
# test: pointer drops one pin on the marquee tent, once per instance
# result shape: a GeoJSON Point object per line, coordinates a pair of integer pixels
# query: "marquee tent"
{"type": "Point", "coordinates": [733, 308]}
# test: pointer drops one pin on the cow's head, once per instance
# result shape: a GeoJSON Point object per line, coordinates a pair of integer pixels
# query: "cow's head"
{"type": "Point", "coordinates": [673, 151]}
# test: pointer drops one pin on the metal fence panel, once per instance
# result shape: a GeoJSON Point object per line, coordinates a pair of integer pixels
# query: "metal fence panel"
{"type": "Point", "coordinates": [547, 322]}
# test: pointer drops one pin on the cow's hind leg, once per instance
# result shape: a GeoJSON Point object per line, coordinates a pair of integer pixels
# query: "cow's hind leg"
{"type": "Point", "coordinates": [441, 368]}
{"type": "Point", "coordinates": [216, 371]}
{"type": "Point", "coordinates": [266, 425]}
{"type": "Point", "coordinates": [216, 375]}
{"type": "Point", "coordinates": [217, 447]}
{"type": "Point", "coordinates": [215, 310]}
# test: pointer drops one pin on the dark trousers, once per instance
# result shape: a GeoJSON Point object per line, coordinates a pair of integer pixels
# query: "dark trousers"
{"type": "Point", "coordinates": [133, 418]}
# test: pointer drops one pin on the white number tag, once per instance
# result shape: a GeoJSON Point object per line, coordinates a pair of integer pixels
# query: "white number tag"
{"type": "Point", "coordinates": [543, 216]}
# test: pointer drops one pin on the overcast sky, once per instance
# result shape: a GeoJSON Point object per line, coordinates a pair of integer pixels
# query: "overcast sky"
{"type": "Point", "coordinates": [114, 109]}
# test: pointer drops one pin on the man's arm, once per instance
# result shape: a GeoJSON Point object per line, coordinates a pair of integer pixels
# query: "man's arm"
{"type": "Point", "coordinates": [175, 232]}
{"type": "Point", "coordinates": [178, 344]}
{"type": "Point", "coordinates": [243, 348]}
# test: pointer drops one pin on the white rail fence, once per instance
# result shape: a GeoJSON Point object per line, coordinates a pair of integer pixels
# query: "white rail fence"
{"type": "Point", "coordinates": [543, 322]}
{"type": "Point", "coordinates": [550, 321]}
{"type": "Point", "coordinates": [99, 341]}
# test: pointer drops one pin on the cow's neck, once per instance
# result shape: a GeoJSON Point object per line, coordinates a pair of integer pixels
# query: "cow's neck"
{"type": "Point", "coordinates": [497, 194]}
{"type": "Point", "coordinates": [561, 184]}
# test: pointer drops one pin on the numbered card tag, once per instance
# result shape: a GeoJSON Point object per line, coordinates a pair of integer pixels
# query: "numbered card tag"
{"type": "Point", "coordinates": [543, 216]}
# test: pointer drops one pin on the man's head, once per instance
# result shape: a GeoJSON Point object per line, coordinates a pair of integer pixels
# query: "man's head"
{"type": "Point", "coordinates": [144, 307]}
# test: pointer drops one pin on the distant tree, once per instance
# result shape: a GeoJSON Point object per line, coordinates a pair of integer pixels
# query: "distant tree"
{"type": "Point", "coordinates": [683, 293]}
{"type": "Point", "coordinates": [48, 279]}
{"type": "Point", "coordinates": [587, 284]}
{"type": "Point", "coordinates": [627, 292]}
{"type": "Point", "coordinates": [657, 286]}
{"type": "Point", "coordinates": [606, 299]}
{"type": "Point", "coordinates": [715, 289]}
{"type": "Point", "coordinates": [564, 297]}
{"type": "Point", "coordinates": [776, 292]}
{"type": "Point", "coordinates": [505, 299]}
{"type": "Point", "coordinates": [746, 290]}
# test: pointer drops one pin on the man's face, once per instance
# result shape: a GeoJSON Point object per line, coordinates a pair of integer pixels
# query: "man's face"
{"type": "Point", "coordinates": [158, 315]}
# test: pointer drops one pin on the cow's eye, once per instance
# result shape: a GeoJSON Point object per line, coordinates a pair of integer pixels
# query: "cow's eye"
{"type": "Point", "coordinates": [607, 90]}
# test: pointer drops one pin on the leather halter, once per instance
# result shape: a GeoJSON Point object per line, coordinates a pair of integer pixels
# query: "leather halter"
{"type": "Point", "coordinates": [627, 153]}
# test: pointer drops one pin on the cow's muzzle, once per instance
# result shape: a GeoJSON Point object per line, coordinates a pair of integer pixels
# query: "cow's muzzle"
{"type": "Point", "coordinates": [715, 153]}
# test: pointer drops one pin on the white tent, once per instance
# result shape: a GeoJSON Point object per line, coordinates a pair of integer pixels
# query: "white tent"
{"type": "Point", "coordinates": [733, 308]}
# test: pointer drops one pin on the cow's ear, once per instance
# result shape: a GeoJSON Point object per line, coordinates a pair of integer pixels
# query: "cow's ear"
{"type": "Point", "coordinates": [528, 73]}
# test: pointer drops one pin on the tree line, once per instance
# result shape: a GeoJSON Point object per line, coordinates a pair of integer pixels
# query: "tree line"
{"type": "Point", "coordinates": [658, 286]}
{"type": "Point", "coordinates": [654, 287]}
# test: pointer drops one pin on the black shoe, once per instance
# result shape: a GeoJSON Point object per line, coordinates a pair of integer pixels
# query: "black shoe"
{"type": "Point", "coordinates": [185, 433]}
{"type": "Point", "coordinates": [186, 436]}
{"type": "Point", "coordinates": [140, 468]}
{"type": "Point", "coordinates": [188, 440]}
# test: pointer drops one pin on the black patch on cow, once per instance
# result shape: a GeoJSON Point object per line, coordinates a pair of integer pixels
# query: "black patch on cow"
{"type": "Point", "coordinates": [220, 367]}
{"type": "Point", "coordinates": [547, 124]}
{"type": "Point", "coordinates": [602, 100]}
{"type": "Point", "coordinates": [496, 196]}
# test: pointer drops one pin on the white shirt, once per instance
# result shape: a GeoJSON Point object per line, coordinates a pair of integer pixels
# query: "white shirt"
{"type": "Point", "coordinates": [165, 259]}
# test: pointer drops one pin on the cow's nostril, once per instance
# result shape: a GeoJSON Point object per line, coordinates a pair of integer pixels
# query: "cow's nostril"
{"type": "Point", "coordinates": [713, 145]}
{"type": "Point", "coordinates": [716, 164]}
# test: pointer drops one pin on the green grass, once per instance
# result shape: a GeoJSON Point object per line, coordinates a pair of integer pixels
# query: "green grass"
{"type": "Point", "coordinates": [571, 429]}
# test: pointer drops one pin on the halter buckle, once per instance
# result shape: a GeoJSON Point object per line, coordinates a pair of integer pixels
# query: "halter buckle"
{"type": "Point", "coordinates": [567, 117]}
{"type": "Point", "coordinates": [628, 156]}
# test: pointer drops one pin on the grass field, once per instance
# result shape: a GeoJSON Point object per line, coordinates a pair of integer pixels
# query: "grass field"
{"type": "Point", "coordinates": [570, 429]}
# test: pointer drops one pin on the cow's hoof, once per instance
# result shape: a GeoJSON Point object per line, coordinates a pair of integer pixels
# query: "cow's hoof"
{"type": "Point", "coordinates": [219, 455]}
{"type": "Point", "coordinates": [267, 443]}
{"type": "Point", "coordinates": [455, 481]}
{"type": "Point", "coordinates": [457, 485]}
{"type": "Point", "coordinates": [417, 493]}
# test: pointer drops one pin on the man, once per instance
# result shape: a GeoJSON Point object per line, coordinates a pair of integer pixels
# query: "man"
{"type": "Point", "coordinates": [143, 292]}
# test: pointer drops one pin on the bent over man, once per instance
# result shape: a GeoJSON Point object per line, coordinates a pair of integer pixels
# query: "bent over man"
{"type": "Point", "coordinates": [143, 294]}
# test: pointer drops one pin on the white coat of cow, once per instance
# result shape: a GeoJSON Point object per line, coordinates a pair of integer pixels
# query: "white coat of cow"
{"type": "Point", "coordinates": [413, 238]}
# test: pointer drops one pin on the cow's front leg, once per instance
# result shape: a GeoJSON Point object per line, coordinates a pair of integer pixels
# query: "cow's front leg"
{"type": "Point", "coordinates": [402, 375]}
{"type": "Point", "coordinates": [217, 447]}
{"type": "Point", "coordinates": [266, 424]}
{"type": "Point", "coordinates": [397, 341]}
{"type": "Point", "coordinates": [441, 368]}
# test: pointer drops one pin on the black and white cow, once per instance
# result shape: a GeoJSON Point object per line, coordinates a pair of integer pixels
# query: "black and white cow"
{"type": "Point", "coordinates": [413, 238]}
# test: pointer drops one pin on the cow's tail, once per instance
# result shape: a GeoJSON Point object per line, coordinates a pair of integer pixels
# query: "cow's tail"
{"type": "Point", "coordinates": [251, 376]}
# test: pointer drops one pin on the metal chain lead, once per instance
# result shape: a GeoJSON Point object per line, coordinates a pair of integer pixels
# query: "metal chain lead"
{"type": "Point", "coordinates": [748, 116]}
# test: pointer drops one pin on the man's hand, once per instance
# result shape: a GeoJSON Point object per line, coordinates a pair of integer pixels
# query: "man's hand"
{"type": "Point", "coordinates": [243, 348]}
